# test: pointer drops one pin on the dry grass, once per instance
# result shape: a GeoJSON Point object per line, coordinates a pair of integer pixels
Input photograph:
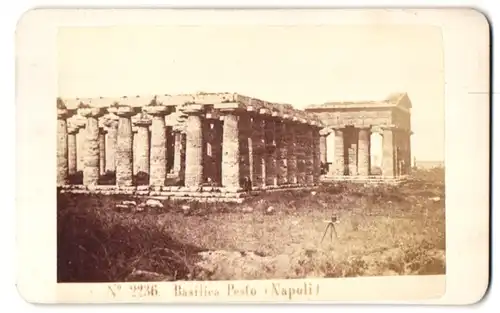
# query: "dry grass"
{"type": "Point", "coordinates": [382, 230]}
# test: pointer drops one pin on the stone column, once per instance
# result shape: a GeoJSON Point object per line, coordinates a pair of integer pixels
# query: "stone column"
{"type": "Point", "coordinates": [271, 178]}
{"type": "Point", "coordinates": [102, 150]}
{"type": "Point", "coordinates": [322, 148]}
{"type": "Point", "coordinates": [194, 147]}
{"type": "Point", "coordinates": [124, 144]}
{"type": "Point", "coordinates": [158, 157]}
{"type": "Point", "coordinates": [80, 148]}
{"type": "Point", "coordinates": [72, 131]}
{"type": "Point", "coordinates": [258, 152]}
{"type": "Point", "coordinates": [291, 153]}
{"type": "Point", "coordinates": [111, 136]}
{"type": "Point", "coordinates": [142, 146]}
{"type": "Point", "coordinates": [134, 149]}
{"type": "Point", "coordinates": [177, 152]}
{"type": "Point", "coordinates": [388, 152]}
{"type": "Point", "coordinates": [62, 147]}
{"type": "Point", "coordinates": [244, 133]}
{"type": "Point", "coordinates": [317, 155]}
{"type": "Point", "coordinates": [91, 168]}
{"type": "Point", "coordinates": [231, 151]}
{"type": "Point", "coordinates": [339, 151]}
{"type": "Point", "coordinates": [364, 151]}
{"type": "Point", "coordinates": [300, 152]}
{"type": "Point", "coordinates": [309, 154]}
{"type": "Point", "coordinates": [282, 148]}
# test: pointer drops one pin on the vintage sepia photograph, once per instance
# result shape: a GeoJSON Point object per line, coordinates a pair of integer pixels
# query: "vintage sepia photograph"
{"type": "Point", "coordinates": [207, 155]}
{"type": "Point", "coordinates": [288, 152]}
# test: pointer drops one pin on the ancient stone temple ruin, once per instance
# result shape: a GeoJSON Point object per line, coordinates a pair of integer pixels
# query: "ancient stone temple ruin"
{"type": "Point", "coordinates": [218, 145]}
{"type": "Point", "coordinates": [365, 140]}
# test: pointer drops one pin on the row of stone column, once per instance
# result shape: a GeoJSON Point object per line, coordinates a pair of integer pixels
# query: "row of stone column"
{"type": "Point", "coordinates": [267, 151]}
{"type": "Point", "coordinates": [395, 151]}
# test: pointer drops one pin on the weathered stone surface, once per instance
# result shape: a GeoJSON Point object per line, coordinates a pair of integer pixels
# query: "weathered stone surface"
{"type": "Point", "coordinates": [80, 148]}
{"type": "Point", "coordinates": [258, 152]}
{"type": "Point", "coordinates": [244, 133]}
{"type": "Point", "coordinates": [102, 151]}
{"type": "Point", "coordinates": [194, 150]}
{"type": "Point", "coordinates": [364, 152]}
{"type": "Point", "coordinates": [62, 150]}
{"type": "Point", "coordinates": [300, 152]}
{"type": "Point", "coordinates": [158, 165]}
{"type": "Point", "coordinates": [309, 155]}
{"type": "Point", "coordinates": [270, 142]}
{"type": "Point", "coordinates": [282, 152]}
{"type": "Point", "coordinates": [124, 165]}
{"type": "Point", "coordinates": [231, 151]}
{"type": "Point", "coordinates": [111, 137]}
{"type": "Point", "coordinates": [142, 147]}
{"type": "Point", "coordinates": [72, 150]}
{"type": "Point", "coordinates": [291, 153]}
{"type": "Point", "coordinates": [316, 156]}
{"type": "Point", "coordinates": [177, 152]}
{"type": "Point", "coordinates": [322, 148]}
{"type": "Point", "coordinates": [91, 168]}
{"type": "Point", "coordinates": [339, 152]}
{"type": "Point", "coordinates": [388, 152]}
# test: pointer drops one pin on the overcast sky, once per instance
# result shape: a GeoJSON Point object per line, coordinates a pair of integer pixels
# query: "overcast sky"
{"type": "Point", "coordinates": [299, 65]}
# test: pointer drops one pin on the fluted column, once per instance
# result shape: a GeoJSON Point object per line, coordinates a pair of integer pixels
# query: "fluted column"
{"type": "Point", "coordinates": [102, 150]}
{"type": "Point", "coordinates": [91, 168]}
{"type": "Point", "coordinates": [231, 151]}
{"type": "Point", "coordinates": [271, 178]}
{"type": "Point", "coordinates": [177, 152]}
{"type": "Point", "coordinates": [300, 152]}
{"type": "Point", "coordinates": [123, 151]}
{"type": "Point", "coordinates": [322, 148]}
{"type": "Point", "coordinates": [258, 152]}
{"type": "Point", "coordinates": [282, 148]}
{"type": "Point", "coordinates": [308, 154]}
{"type": "Point", "coordinates": [364, 151]}
{"type": "Point", "coordinates": [316, 155]}
{"type": "Point", "coordinates": [291, 153]}
{"type": "Point", "coordinates": [111, 137]}
{"type": "Point", "coordinates": [158, 157]}
{"type": "Point", "coordinates": [194, 147]}
{"type": "Point", "coordinates": [339, 151]}
{"type": "Point", "coordinates": [134, 149]}
{"type": "Point", "coordinates": [72, 131]}
{"type": "Point", "coordinates": [388, 152]}
{"type": "Point", "coordinates": [62, 147]}
{"type": "Point", "coordinates": [80, 147]}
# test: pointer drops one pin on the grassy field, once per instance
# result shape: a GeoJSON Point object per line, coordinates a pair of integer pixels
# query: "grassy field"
{"type": "Point", "coordinates": [381, 230]}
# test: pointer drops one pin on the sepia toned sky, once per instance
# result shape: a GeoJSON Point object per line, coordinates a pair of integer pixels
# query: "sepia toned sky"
{"type": "Point", "coordinates": [299, 65]}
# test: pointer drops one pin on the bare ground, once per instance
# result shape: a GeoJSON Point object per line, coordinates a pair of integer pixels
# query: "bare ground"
{"type": "Point", "coordinates": [382, 230]}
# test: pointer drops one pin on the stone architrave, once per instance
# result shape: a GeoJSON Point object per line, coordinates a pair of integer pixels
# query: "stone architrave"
{"type": "Point", "coordinates": [158, 156]}
{"type": "Point", "coordinates": [388, 152]}
{"type": "Point", "coordinates": [72, 131]}
{"type": "Point", "coordinates": [339, 151]}
{"type": "Point", "coordinates": [194, 146]}
{"type": "Point", "coordinates": [124, 144]}
{"type": "Point", "coordinates": [364, 151]}
{"type": "Point", "coordinates": [102, 150]}
{"type": "Point", "coordinates": [91, 170]}
{"type": "Point", "coordinates": [62, 147]}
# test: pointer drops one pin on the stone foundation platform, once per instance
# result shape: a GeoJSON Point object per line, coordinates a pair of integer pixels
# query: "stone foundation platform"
{"type": "Point", "coordinates": [389, 180]}
{"type": "Point", "coordinates": [201, 194]}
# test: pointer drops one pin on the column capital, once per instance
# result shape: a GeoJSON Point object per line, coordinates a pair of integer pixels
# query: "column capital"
{"type": "Point", "coordinates": [155, 110]}
{"type": "Point", "coordinates": [325, 131]}
{"type": "Point", "coordinates": [141, 120]}
{"type": "Point", "coordinates": [90, 112]}
{"type": "Point", "coordinates": [193, 109]}
{"type": "Point", "coordinates": [72, 130]}
{"type": "Point", "coordinates": [63, 114]}
{"type": "Point", "coordinates": [122, 110]}
{"type": "Point", "coordinates": [102, 130]}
